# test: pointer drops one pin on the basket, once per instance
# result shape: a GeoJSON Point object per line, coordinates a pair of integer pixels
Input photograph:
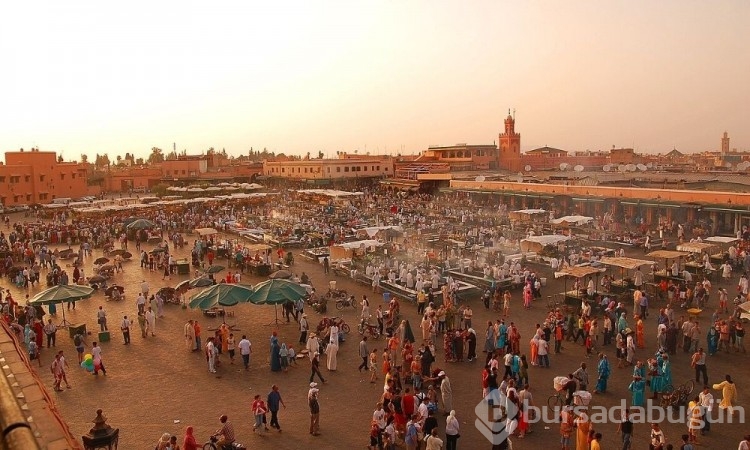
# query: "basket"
{"type": "Point", "coordinates": [560, 382]}
{"type": "Point", "coordinates": [581, 398]}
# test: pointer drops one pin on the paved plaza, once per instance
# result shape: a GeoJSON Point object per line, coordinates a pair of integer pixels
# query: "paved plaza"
{"type": "Point", "coordinates": [155, 385]}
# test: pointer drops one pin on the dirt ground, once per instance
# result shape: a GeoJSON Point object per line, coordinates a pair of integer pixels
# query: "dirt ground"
{"type": "Point", "coordinates": [156, 385]}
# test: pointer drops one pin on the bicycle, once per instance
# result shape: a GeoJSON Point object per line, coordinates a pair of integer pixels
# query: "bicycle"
{"type": "Point", "coordinates": [556, 401]}
{"type": "Point", "coordinates": [672, 397]}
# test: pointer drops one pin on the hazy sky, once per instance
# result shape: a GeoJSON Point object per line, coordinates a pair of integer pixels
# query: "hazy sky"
{"type": "Point", "coordinates": [382, 75]}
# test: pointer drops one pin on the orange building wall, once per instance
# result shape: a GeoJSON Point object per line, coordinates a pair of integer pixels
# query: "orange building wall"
{"type": "Point", "coordinates": [622, 193]}
{"type": "Point", "coordinates": [36, 177]}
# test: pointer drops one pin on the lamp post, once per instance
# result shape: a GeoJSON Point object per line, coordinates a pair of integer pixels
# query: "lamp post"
{"type": "Point", "coordinates": [101, 435]}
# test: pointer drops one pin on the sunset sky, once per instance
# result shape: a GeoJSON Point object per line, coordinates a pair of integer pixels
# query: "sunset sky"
{"type": "Point", "coordinates": [382, 76]}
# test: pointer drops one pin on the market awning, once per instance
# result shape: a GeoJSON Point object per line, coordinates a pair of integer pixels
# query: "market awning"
{"type": "Point", "coordinates": [697, 247]}
{"type": "Point", "coordinates": [721, 239]}
{"type": "Point", "coordinates": [205, 231]}
{"type": "Point", "coordinates": [625, 262]}
{"type": "Point", "coordinates": [577, 271]}
{"type": "Point", "coordinates": [667, 254]}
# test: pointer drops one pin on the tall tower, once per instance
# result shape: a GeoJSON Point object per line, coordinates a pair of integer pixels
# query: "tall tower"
{"type": "Point", "coordinates": [725, 144]}
{"type": "Point", "coordinates": [510, 146]}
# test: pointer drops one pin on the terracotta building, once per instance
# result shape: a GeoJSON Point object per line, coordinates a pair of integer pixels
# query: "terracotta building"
{"type": "Point", "coordinates": [34, 176]}
{"type": "Point", "coordinates": [213, 167]}
{"type": "Point", "coordinates": [325, 171]}
{"type": "Point", "coordinates": [510, 146]}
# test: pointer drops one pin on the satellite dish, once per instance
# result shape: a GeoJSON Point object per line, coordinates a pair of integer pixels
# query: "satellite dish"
{"type": "Point", "coordinates": [480, 178]}
{"type": "Point", "coordinates": [728, 165]}
{"type": "Point", "coordinates": [621, 168]}
{"type": "Point", "coordinates": [578, 168]}
{"type": "Point", "coordinates": [520, 177]}
{"type": "Point", "coordinates": [563, 166]}
{"type": "Point", "coordinates": [631, 167]}
{"type": "Point", "coordinates": [641, 167]}
{"type": "Point", "coordinates": [650, 165]}
{"type": "Point", "coordinates": [743, 165]}
{"type": "Point", "coordinates": [527, 168]}
{"type": "Point", "coordinates": [607, 168]}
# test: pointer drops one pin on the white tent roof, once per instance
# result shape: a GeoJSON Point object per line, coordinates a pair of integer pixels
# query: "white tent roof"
{"type": "Point", "coordinates": [721, 239]}
{"type": "Point", "coordinates": [578, 220]}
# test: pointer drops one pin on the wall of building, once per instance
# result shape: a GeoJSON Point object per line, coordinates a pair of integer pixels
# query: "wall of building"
{"type": "Point", "coordinates": [622, 193]}
{"type": "Point", "coordinates": [329, 168]}
{"type": "Point", "coordinates": [30, 177]}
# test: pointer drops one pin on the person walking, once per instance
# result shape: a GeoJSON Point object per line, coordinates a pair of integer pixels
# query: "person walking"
{"type": "Point", "coordinates": [56, 370]}
{"type": "Point", "coordinates": [312, 401]}
{"type": "Point", "coordinates": [698, 363]}
{"type": "Point", "coordinates": [51, 331]}
{"type": "Point", "coordinates": [142, 324]}
{"type": "Point", "coordinates": [96, 353]}
{"type": "Point", "coordinates": [197, 329]}
{"type": "Point", "coordinates": [728, 393]}
{"type": "Point", "coordinates": [211, 352]}
{"type": "Point", "coordinates": [63, 368]}
{"type": "Point", "coordinates": [189, 331]}
{"type": "Point", "coordinates": [625, 428]}
{"type": "Point", "coordinates": [303, 327]}
{"type": "Point", "coordinates": [150, 321]}
{"type": "Point", "coordinates": [273, 401]}
{"type": "Point", "coordinates": [706, 400]}
{"type": "Point", "coordinates": [245, 350]}
{"type": "Point", "coordinates": [125, 328]}
{"type": "Point", "coordinates": [363, 353]}
{"type": "Point", "coordinates": [101, 319]}
{"type": "Point", "coordinates": [452, 431]}
{"type": "Point", "coordinates": [315, 368]}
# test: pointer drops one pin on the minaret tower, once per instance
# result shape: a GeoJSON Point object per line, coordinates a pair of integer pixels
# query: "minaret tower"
{"type": "Point", "coordinates": [510, 146]}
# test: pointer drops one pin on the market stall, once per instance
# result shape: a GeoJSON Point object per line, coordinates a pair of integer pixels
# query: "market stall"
{"type": "Point", "coordinates": [667, 273]}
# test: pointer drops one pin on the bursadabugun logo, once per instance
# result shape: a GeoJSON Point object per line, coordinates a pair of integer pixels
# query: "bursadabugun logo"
{"type": "Point", "coordinates": [492, 414]}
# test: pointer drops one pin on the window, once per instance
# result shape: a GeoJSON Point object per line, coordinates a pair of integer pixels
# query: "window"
{"type": "Point", "coordinates": [346, 169]}
{"type": "Point", "coordinates": [15, 198]}
{"type": "Point", "coordinates": [28, 197]}
{"type": "Point", "coordinates": [338, 169]}
{"type": "Point", "coordinates": [365, 168]}
{"type": "Point", "coordinates": [378, 168]}
{"type": "Point", "coordinates": [305, 169]}
{"type": "Point", "coordinates": [62, 176]}
{"type": "Point", "coordinates": [27, 178]}
{"type": "Point", "coordinates": [329, 169]}
{"type": "Point", "coordinates": [73, 175]}
{"type": "Point", "coordinates": [42, 196]}
{"type": "Point", "coordinates": [283, 170]}
{"type": "Point", "coordinates": [2, 179]}
{"type": "Point", "coordinates": [183, 172]}
{"type": "Point", "coordinates": [41, 177]}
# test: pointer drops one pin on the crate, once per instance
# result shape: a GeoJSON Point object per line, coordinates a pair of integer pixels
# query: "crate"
{"type": "Point", "coordinates": [104, 336]}
{"type": "Point", "coordinates": [77, 328]}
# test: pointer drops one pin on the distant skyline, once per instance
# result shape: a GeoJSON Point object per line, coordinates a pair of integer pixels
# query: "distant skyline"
{"type": "Point", "coordinates": [379, 77]}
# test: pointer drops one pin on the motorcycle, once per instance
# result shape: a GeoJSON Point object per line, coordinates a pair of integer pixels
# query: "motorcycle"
{"type": "Point", "coordinates": [366, 328]}
{"type": "Point", "coordinates": [345, 302]}
{"type": "Point", "coordinates": [212, 445]}
{"type": "Point", "coordinates": [328, 322]}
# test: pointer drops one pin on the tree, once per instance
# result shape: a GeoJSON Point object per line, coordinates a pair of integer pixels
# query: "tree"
{"type": "Point", "coordinates": [84, 158]}
{"type": "Point", "coordinates": [60, 158]}
{"type": "Point", "coordinates": [172, 155]}
{"type": "Point", "coordinates": [156, 155]}
{"type": "Point", "coordinates": [160, 190]}
{"type": "Point", "coordinates": [119, 160]}
{"type": "Point", "coordinates": [307, 156]}
{"type": "Point", "coordinates": [320, 154]}
{"type": "Point", "coordinates": [139, 161]}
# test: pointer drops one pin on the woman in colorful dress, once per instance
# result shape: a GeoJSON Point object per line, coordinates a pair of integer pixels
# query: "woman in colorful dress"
{"type": "Point", "coordinates": [640, 332]}
{"type": "Point", "coordinates": [603, 372]}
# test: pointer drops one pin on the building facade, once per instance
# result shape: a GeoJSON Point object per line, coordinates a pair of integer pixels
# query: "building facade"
{"type": "Point", "coordinates": [323, 171]}
{"type": "Point", "coordinates": [30, 177]}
